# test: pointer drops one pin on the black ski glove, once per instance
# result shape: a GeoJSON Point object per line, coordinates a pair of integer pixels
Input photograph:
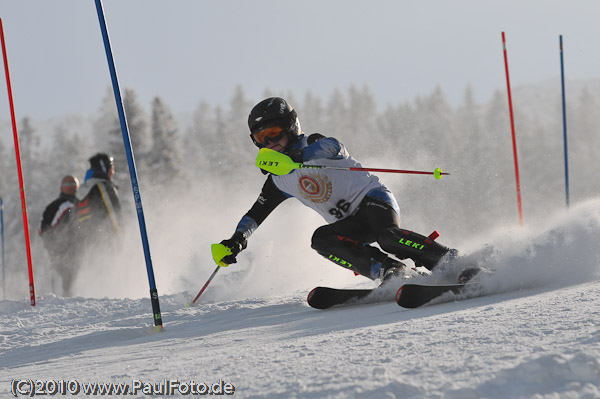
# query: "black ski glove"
{"type": "Point", "coordinates": [237, 243]}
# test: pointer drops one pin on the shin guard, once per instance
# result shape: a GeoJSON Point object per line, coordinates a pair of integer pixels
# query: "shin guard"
{"type": "Point", "coordinates": [424, 251]}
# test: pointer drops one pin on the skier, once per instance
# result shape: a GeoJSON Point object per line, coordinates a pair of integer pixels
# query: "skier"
{"type": "Point", "coordinates": [57, 232]}
{"type": "Point", "coordinates": [359, 209]}
{"type": "Point", "coordinates": [98, 208]}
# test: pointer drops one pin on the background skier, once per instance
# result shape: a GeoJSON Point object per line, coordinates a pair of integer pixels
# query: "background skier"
{"type": "Point", "coordinates": [98, 208]}
{"type": "Point", "coordinates": [58, 232]}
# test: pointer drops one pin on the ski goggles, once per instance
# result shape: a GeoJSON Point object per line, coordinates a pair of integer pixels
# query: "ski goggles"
{"type": "Point", "coordinates": [269, 134]}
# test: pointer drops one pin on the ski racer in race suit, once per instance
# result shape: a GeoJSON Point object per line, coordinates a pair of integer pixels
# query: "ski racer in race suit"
{"type": "Point", "coordinates": [99, 208]}
{"type": "Point", "coordinates": [358, 208]}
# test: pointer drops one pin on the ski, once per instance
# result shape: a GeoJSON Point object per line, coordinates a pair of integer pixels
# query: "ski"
{"type": "Point", "coordinates": [415, 295]}
{"type": "Point", "coordinates": [326, 297]}
{"type": "Point", "coordinates": [407, 296]}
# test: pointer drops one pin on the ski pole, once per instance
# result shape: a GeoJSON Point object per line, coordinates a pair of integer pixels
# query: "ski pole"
{"type": "Point", "coordinates": [205, 285]}
{"type": "Point", "coordinates": [219, 251]}
{"type": "Point", "coordinates": [281, 164]}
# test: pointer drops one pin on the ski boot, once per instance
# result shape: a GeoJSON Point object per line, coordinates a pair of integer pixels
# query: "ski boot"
{"type": "Point", "coordinates": [447, 261]}
{"type": "Point", "coordinates": [392, 269]}
{"type": "Point", "coordinates": [467, 274]}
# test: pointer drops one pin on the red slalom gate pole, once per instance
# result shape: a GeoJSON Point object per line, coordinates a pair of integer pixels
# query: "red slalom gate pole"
{"type": "Point", "coordinates": [514, 138]}
{"type": "Point", "coordinates": [19, 169]}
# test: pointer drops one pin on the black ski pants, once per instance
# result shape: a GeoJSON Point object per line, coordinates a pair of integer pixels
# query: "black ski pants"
{"type": "Point", "coordinates": [346, 242]}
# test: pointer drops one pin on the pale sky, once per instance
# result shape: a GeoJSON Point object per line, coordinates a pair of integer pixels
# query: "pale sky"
{"type": "Point", "coordinates": [191, 50]}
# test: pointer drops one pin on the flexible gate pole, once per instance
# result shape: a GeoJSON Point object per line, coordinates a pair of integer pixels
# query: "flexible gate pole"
{"type": "Point", "coordinates": [132, 171]}
{"type": "Point", "coordinates": [3, 257]}
{"type": "Point", "coordinates": [564, 112]}
{"type": "Point", "coordinates": [514, 139]}
{"type": "Point", "coordinates": [19, 170]}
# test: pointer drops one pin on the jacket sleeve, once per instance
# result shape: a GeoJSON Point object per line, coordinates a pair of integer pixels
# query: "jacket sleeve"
{"type": "Point", "coordinates": [47, 216]}
{"type": "Point", "coordinates": [321, 147]}
{"type": "Point", "coordinates": [269, 198]}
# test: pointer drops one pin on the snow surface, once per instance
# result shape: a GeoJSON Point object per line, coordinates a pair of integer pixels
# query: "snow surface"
{"type": "Point", "coordinates": [536, 334]}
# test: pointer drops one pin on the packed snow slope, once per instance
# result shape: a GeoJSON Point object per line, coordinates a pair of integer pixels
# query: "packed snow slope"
{"type": "Point", "coordinates": [534, 334]}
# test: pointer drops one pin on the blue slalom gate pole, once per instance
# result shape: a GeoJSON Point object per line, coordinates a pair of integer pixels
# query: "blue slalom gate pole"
{"type": "Point", "coordinates": [3, 258]}
{"type": "Point", "coordinates": [564, 111]}
{"type": "Point", "coordinates": [132, 171]}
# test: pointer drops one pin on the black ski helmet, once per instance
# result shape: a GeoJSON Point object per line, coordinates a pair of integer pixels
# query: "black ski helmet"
{"type": "Point", "coordinates": [101, 162]}
{"type": "Point", "coordinates": [274, 111]}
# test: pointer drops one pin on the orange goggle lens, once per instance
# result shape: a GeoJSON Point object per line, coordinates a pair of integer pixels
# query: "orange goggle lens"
{"type": "Point", "coordinates": [273, 133]}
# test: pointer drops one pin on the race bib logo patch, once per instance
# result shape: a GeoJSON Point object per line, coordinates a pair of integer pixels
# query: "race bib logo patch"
{"type": "Point", "coordinates": [315, 188]}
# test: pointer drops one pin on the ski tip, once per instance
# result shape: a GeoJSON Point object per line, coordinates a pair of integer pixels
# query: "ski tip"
{"type": "Point", "coordinates": [399, 293]}
{"type": "Point", "coordinates": [320, 298]}
{"type": "Point", "coordinates": [316, 299]}
{"type": "Point", "coordinates": [310, 294]}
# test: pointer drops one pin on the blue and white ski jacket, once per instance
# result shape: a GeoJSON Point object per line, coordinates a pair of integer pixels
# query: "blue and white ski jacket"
{"type": "Point", "coordinates": [334, 194]}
